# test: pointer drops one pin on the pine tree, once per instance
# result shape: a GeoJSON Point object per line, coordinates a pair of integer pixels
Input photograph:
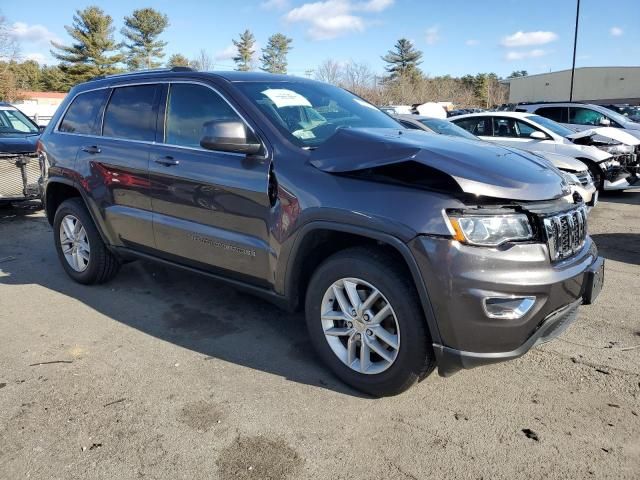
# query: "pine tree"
{"type": "Point", "coordinates": [244, 59]}
{"type": "Point", "coordinates": [141, 31]}
{"type": "Point", "coordinates": [88, 56]}
{"type": "Point", "coordinates": [274, 56]}
{"type": "Point", "coordinates": [404, 60]}
{"type": "Point", "coordinates": [177, 60]}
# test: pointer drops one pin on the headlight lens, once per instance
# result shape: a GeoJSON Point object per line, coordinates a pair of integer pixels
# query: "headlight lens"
{"type": "Point", "coordinates": [571, 179]}
{"type": "Point", "coordinates": [490, 230]}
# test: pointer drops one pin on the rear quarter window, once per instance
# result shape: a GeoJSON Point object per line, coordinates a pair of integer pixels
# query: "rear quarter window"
{"type": "Point", "coordinates": [82, 115]}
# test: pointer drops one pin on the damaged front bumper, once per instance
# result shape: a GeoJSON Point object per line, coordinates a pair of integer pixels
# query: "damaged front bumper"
{"type": "Point", "coordinates": [460, 279]}
{"type": "Point", "coordinates": [20, 177]}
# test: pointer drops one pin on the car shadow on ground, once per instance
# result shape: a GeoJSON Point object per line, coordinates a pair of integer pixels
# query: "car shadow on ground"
{"type": "Point", "coordinates": [621, 247]}
{"type": "Point", "coordinates": [180, 307]}
{"type": "Point", "coordinates": [630, 197]}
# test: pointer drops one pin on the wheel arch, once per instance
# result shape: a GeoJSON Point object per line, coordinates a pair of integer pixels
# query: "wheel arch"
{"type": "Point", "coordinates": [318, 239]}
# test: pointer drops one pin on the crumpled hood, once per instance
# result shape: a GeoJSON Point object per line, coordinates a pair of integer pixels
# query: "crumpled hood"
{"type": "Point", "coordinates": [608, 132]}
{"type": "Point", "coordinates": [18, 144]}
{"type": "Point", "coordinates": [479, 168]}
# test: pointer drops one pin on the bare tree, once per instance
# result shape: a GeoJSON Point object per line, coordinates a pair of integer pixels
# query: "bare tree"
{"type": "Point", "coordinates": [202, 62]}
{"type": "Point", "coordinates": [328, 71]}
{"type": "Point", "coordinates": [9, 48]}
{"type": "Point", "coordinates": [356, 77]}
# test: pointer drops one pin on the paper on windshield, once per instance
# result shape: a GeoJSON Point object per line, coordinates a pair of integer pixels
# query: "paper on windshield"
{"type": "Point", "coordinates": [286, 98]}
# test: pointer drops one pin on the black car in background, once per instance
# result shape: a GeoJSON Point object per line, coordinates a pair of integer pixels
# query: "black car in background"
{"type": "Point", "coordinates": [19, 166]}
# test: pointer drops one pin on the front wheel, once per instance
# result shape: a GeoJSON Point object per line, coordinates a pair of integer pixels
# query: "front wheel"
{"type": "Point", "coordinates": [365, 321]}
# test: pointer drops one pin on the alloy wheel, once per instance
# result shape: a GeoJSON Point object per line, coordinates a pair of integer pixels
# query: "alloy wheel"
{"type": "Point", "coordinates": [74, 243]}
{"type": "Point", "coordinates": [360, 326]}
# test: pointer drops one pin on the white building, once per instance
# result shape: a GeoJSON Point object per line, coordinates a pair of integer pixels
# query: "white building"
{"type": "Point", "coordinates": [602, 85]}
{"type": "Point", "coordinates": [39, 106]}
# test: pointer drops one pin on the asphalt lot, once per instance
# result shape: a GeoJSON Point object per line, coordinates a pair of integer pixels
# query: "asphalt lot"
{"type": "Point", "coordinates": [164, 374]}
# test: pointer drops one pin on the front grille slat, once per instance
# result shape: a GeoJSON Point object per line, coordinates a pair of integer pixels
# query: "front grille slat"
{"type": "Point", "coordinates": [566, 233]}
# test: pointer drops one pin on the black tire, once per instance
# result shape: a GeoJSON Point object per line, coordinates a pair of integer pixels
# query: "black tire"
{"type": "Point", "coordinates": [596, 173]}
{"type": "Point", "coordinates": [415, 358]}
{"type": "Point", "coordinates": [102, 265]}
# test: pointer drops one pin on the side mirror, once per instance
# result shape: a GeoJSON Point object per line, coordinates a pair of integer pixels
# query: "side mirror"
{"type": "Point", "coordinates": [229, 136]}
{"type": "Point", "coordinates": [537, 135]}
{"type": "Point", "coordinates": [604, 122]}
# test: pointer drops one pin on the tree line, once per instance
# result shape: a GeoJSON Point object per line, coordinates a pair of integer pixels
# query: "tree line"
{"type": "Point", "coordinates": [94, 51]}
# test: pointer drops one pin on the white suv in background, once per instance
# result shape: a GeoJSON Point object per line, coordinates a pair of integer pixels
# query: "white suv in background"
{"type": "Point", "coordinates": [581, 116]}
{"type": "Point", "coordinates": [539, 134]}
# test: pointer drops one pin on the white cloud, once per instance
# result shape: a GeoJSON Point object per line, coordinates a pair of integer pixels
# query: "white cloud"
{"type": "Point", "coordinates": [274, 4]}
{"type": "Point", "coordinates": [527, 39]}
{"type": "Point", "coordinates": [37, 34]}
{"type": "Point", "coordinates": [36, 57]}
{"type": "Point", "coordinates": [227, 53]}
{"type": "Point", "coordinates": [333, 18]}
{"type": "Point", "coordinates": [373, 5]}
{"type": "Point", "coordinates": [616, 32]}
{"type": "Point", "coordinates": [471, 42]}
{"type": "Point", "coordinates": [432, 35]}
{"type": "Point", "coordinates": [523, 54]}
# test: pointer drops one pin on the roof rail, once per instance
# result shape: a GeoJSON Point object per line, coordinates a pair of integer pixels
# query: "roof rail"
{"type": "Point", "coordinates": [142, 72]}
{"type": "Point", "coordinates": [551, 102]}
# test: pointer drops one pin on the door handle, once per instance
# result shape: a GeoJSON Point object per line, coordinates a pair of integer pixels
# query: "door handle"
{"type": "Point", "coordinates": [167, 161]}
{"type": "Point", "coordinates": [92, 149]}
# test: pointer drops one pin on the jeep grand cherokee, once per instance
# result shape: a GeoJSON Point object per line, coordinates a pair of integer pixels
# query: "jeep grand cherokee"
{"type": "Point", "coordinates": [407, 250]}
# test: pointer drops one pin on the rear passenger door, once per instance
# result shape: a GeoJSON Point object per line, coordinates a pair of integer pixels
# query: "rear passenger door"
{"type": "Point", "coordinates": [115, 166]}
{"type": "Point", "coordinates": [211, 208]}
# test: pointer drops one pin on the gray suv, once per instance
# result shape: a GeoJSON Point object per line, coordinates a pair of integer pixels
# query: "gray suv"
{"type": "Point", "coordinates": [406, 250]}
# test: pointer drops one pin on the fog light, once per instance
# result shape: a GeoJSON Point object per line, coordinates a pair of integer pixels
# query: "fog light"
{"type": "Point", "coordinates": [508, 308]}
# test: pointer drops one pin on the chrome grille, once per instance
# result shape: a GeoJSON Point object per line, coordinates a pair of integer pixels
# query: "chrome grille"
{"type": "Point", "coordinates": [584, 177]}
{"type": "Point", "coordinates": [19, 175]}
{"type": "Point", "coordinates": [566, 232]}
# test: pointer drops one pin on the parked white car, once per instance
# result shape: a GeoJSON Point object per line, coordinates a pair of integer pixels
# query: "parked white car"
{"type": "Point", "coordinates": [611, 170]}
{"type": "Point", "coordinates": [581, 116]}
{"type": "Point", "coordinates": [576, 172]}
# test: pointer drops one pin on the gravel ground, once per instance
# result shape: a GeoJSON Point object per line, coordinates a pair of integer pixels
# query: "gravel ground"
{"type": "Point", "coordinates": [164, 374]}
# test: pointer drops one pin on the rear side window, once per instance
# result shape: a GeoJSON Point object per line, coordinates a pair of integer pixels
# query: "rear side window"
{"type": "Point", "coordinates": [189, 107]}
{"type": "Point", "coordinates": [480, 126]}
{"type": "Point", "coordinates": [557, 114]}
{"type": "Point", "coordinates": [130, 114]}
{"type": "Point", "coordinates": [82, 114]}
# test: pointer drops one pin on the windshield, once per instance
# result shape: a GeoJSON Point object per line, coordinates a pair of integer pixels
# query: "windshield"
{"type": "Point", "coordinates": [551, 125]}
{"type": "Point", "coordinates": [13, 122]}
{"type": "Point", "coordinates": [309, 113]}
{"type": "Point", "coordinates": [445, 127]}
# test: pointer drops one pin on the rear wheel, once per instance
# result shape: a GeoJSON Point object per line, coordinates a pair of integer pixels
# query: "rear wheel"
{"type": "Point", "coordinates": [365, 321]}
{"type": "Point", "coordinates": [83, 254]}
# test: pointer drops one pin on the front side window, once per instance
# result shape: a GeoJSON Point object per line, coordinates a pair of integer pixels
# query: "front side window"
{"type": "Point", "coordinates": [82, 114]}
{"type": "Point", "coordinates": [15, 122]}
{"type": "Point", "coordinates": [130, 114]}
{"type": "Point", "coordinates": [309, 113]}
{"type": "Point", "coordinates": [189, 107]}
{"type": "Point", "coordinates": [585, 116]}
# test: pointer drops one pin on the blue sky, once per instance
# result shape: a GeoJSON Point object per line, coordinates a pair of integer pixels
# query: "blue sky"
{"type": "Point", "coordinates": [456, 36]}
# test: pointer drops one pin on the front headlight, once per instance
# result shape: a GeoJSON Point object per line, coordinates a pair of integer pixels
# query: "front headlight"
{"type": "Point", "coordinates": [571, 179]}
{"type": "Point", "coordinates": [490, 230]}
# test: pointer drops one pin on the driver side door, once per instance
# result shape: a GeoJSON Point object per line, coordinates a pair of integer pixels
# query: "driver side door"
{"type": "Point", "coordinates": [210, 208]}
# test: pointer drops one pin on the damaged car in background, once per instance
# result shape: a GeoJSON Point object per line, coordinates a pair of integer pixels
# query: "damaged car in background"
{"type": "Point", "coordinates": [575, 172]}
{"type": "Point", "coordinates": [611, 170]}
{"type": "Point", "coordinates": [20, 171]}
{"type": "Point", "coordinates": [407, 251]}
